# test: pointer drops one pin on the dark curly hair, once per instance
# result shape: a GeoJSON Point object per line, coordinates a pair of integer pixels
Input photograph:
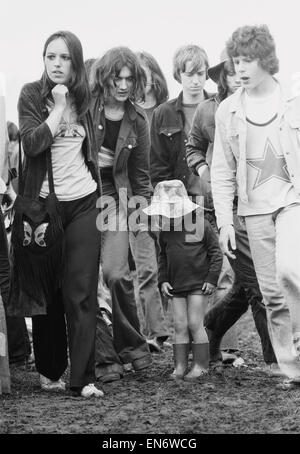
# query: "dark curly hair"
{"type": "Point", "coordinates": [110, 65]}
{"type": "Point", "coordinates": [256, 42]}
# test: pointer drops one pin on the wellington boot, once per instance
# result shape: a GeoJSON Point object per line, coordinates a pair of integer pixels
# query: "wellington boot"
{"type": "Point", "coordinates": [200, 362]}
{"type": "Point", "coordinates": [180, 355]}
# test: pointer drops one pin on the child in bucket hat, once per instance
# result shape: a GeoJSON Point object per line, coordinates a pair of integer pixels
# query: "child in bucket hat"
{"type": "Point", "coordinates": [190, 262]}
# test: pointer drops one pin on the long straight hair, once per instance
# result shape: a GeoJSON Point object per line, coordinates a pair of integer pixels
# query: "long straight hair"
{"type": "Point", "coordinates": [159, 82]}
{"type": "Point", "coordinates": [78, 84]}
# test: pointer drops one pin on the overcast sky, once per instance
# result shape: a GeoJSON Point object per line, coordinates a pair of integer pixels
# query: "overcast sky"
{"type": "Point", "coordinates": [157, 26]}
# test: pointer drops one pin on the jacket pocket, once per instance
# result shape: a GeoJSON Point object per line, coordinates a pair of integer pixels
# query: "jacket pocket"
{"type": "Point", "coordinates": [170, 131]}
{"type": "Point", "coordinates": [294, 125]}
{"type": "Point", "coordinates": [233, 141]}
{"type": "Point", "coordinates": [130, 143]}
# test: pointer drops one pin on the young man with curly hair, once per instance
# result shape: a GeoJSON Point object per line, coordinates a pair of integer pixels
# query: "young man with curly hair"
{"type": "Point", "coordinates": [257, 156]}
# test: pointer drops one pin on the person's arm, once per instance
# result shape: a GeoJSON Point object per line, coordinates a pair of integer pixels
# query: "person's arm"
{"type": "Point", "coordinates": [4, 162]}
{"type": "Point", "coordinates": [2, 189]}
{"type": "Point", "coordinates": [223, 181]}
{"type": "Point", "coordinates": [4, 261]}
{"type": "Point", "coordinates": [214, 254]}
{"type": "Point", "coordinates": [11, 196]}
{"type": "Point", "coordinates": [38, 135]}
{"type": "Point", "coordinates": [197, 144]}
{"type": "Point", "coordinates": [162, 261]}
{"type": "Point", "coordinates": [139, 162]}
{"type": "Point", "coordinates": [161, 164]}
{"type": "Point", "coordinates": [59, 93]}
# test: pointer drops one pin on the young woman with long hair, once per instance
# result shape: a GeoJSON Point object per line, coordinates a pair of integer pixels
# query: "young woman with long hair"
{"type": "Point", "coordinates": [54, 117]}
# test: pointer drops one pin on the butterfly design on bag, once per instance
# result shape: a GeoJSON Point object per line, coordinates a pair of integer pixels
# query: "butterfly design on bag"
{"type": "Point", "coordinates": [37, 235]}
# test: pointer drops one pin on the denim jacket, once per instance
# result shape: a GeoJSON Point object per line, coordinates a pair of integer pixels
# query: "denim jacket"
{"type": "Point", "coordinates": [131, 161]}
{"type": "Point", "coordinates": [228, 171]}
{"type": "Point", "coordinates": [37, 139]}
{"type": "Point", "coordinates": [168, 142]}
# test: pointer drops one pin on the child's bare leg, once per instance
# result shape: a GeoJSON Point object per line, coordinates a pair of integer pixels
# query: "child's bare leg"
{"type": "Point", "coordinates": [196, 309]}
{"type": "Point", "coordinates": [181, 336]}
{"type": "Point", "coordinates": [197, 305]}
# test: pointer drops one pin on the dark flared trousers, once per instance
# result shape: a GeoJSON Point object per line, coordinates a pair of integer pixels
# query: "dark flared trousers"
{"type": "Point", "coordinates": [75, 304]}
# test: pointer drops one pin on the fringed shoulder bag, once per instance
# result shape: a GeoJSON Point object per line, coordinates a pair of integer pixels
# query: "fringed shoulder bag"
{"type": "Point", "coordinates": [37, 239]}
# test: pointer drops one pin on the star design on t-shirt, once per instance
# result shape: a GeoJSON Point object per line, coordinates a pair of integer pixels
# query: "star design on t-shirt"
{"type": "Point", "coordinates": [271, 165]}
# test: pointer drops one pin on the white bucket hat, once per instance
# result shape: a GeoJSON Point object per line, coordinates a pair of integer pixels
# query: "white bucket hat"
{"type": "Point", "coordinates": [170, 199]}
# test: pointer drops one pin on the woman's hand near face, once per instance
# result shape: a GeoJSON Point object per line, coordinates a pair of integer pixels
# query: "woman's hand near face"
{"type": "Point", "coordinates": [59, 93]}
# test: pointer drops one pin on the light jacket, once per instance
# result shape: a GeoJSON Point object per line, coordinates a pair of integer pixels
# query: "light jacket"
{"type": "Point", "coordinates": [228, 171]}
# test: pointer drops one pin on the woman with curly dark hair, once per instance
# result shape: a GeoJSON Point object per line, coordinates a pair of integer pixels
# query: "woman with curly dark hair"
{"type": "Point", "coordinates": [123, 144]}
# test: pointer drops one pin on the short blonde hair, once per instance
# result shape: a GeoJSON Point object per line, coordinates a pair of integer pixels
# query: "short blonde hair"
{"type": "Point", "coordinates": [192, 53]}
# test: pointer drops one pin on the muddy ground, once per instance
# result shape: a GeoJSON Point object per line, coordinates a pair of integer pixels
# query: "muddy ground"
{"type": "Point", "coordinates": [242, 401]}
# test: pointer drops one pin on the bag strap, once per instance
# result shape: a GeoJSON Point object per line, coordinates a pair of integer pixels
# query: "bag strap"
{"type": "Point", "coordinates": [49, 170]}
{"type": "Point", "coordinates": [20, 171]}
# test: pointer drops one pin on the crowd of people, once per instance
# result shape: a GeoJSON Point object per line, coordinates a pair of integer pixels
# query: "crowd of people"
{"type": "Point", "coordinates": [199, 194]}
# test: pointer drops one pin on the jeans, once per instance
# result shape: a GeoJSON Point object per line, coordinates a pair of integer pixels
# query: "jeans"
{"type": "Point", "coordinates": [245, 292]}
{"type": "Point", "coordinates": [128, 341]}
{"type": "Point", "coordinates": [275, 246]}
{"type": "Point", "coordinates": [76, 300]}
{"type": "Point", "coordinates": [144, 254]}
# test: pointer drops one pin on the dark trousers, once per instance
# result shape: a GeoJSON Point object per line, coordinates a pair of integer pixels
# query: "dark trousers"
{"type": "Point", "coordinates": [19, 348]}
{"type": "Point", "coordinates": [75, 302]}
{"type": "Point", "coordinates": [17, 336]}
{"type": "Point", "coordinates": [245, 292]}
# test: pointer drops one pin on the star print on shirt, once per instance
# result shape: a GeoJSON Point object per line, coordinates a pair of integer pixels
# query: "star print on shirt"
{"type": "Point", "coordinates": [271, 165]}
